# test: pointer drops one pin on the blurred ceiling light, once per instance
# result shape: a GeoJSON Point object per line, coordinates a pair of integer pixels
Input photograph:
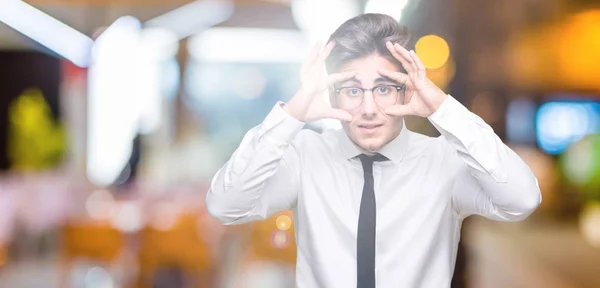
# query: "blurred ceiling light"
{"type": "Point", "coordinates": [158, 43]}
{"type": "Point", "coordinates": [389, 7]}
{"type": "Point", "coordinates": [433, 51]}
{"type": "Point", "coordinates": [194, 17]}
{"type": "Point", "coordinates": [113, 115]}
{"type": "Point", "coordinates": [248, 45]}
{"type": "Point", "coordinates": [319, 18]}
{"type": "Point", "coordinates": [46, 30]}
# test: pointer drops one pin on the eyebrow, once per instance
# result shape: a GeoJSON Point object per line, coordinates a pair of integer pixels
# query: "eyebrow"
{"type": "Point", "coordinates": [379, 79]}
{"type": "Point", "coordinates": [351, 80]}
{"type": "Point", "coordinates": [385, 79]}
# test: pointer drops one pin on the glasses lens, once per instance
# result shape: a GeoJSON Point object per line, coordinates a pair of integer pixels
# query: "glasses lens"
{"type": "Point", "coordinates": [386, 96]}
{"type": "Point", "coordinates": [350, 97]}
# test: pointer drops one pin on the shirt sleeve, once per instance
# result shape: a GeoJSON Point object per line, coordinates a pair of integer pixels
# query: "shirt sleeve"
{"type": "Point", "coordinates": [262, 176]}
{"type": "Point", "coordinates": [492, 180]}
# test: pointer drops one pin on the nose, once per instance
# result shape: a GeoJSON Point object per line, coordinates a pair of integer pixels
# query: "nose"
{"type": "Point", "coordinates": [369, 107]}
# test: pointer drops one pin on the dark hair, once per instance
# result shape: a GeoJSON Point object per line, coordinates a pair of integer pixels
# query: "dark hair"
{"type": "Point", "coordinates": [365, 35]}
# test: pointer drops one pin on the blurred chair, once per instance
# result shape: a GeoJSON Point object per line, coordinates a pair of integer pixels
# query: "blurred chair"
{"type": "Point", "coordinates": [269, 253]}
{"type": "Point", "coordinates": [167, 252]}
{"type": "Point", "coordinates": [95, 241]}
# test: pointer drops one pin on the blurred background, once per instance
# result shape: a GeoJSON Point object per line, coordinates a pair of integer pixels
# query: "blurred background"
{"type": "Point", "coordinates": [114, 116]}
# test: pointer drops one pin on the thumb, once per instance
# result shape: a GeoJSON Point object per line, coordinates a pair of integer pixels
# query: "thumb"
{"type": "Point", "coordinates": [398, 110]}
{"type": "Point", "coordinates": [338, 114]}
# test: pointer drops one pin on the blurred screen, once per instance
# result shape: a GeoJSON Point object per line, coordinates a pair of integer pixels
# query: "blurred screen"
{"type": "Point", "coordinates": [563, 122]}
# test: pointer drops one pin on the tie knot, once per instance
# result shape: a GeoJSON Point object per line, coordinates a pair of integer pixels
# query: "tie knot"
{"type": "Point", "coordinates": [367, 160]}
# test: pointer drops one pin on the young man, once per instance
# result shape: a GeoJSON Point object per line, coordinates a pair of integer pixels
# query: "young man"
{"type": "Point", "coordinates": [375, 204]}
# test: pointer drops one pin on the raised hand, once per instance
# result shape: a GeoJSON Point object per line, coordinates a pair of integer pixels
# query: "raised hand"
{"type": "Point", "coordinates": [307, 104]}
{"type": "Point", "coordinates": [422, 97]}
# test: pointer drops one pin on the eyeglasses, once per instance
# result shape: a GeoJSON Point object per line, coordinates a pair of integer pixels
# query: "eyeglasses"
{"type": "Point", "coordinates": [383, 95]}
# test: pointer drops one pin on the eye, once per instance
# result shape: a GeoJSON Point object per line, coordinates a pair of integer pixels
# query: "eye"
{"type": "Point", "coordinates": [383, 90]}
{"type": "Point", "coordinates": [352, 92]}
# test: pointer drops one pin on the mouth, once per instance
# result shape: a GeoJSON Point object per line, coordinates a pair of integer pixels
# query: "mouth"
{"type": "Point", "coordinates": [369, 127]}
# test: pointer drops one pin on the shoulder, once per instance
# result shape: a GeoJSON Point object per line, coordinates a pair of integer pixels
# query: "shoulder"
{"type": "Point", "coordinates": [310, 140]}
{"type": "Point", "coordinates": [421, 145]}
{"type": "Point", "coordinates": [308, 137]}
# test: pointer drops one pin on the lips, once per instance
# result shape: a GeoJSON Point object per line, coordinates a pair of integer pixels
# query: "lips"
{"type": "Point", "coordinates": [370, 126]}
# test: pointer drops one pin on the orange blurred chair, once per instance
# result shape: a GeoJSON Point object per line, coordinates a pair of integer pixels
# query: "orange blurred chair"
{"type": "Point", "coordinates": [267, 243]}
{"type": "Point", "coordinates": [273, 239]}
{"type": "Point", "coordinates": [97, 241]}
{"type": "Point", "coordinates": [178, 246]}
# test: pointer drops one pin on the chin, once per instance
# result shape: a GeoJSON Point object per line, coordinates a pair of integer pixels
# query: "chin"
{"type": "Point", "coordinates": [371, 145]}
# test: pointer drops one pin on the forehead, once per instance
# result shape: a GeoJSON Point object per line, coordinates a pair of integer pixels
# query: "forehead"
{"type": "Point", "coordinates": [367, 68]}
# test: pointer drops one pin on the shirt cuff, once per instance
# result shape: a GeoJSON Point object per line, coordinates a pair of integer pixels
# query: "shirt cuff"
{"type": "Point", "coordinates": [279, 125]}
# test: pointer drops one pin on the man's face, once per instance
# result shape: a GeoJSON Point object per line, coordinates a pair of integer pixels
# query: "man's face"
{"type": "Point", "coordinates": [371, 128]}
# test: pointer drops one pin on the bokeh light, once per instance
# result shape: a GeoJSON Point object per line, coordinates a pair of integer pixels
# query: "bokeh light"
{"type": "Point", "coordinates": [442, 75]}
{"type": "Point", "coordinates": [589, 222]}
{"type": "Point", "coordinates": [283, 222]}
{"type": "Point", "coordinates": [581, 163]}
{"type": "Point", "coordinates": [433, 51]}
{"type": "Point", "coordinates": [100, 204]}
{"type": "Point", "coordinates": [560, 124]}
{"type": "Point", "coordinates": [280, 239]}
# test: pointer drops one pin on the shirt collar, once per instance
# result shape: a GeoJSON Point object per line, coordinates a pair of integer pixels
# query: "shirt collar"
{"type": "Point", "coordinates": [394, 150]}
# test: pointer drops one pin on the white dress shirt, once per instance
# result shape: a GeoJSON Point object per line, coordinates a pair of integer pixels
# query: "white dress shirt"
{"type": "Point", "coordinates": [430, 185]}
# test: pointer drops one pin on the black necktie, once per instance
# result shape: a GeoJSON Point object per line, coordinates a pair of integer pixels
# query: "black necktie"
{"type": "Point", "coordinates": [365, 244]}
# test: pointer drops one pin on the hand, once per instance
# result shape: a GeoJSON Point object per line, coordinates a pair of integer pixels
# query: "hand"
{"type": "Point", "coordinates": [307, 104]}
{"type": "Point", "coordinates": [422, 97]}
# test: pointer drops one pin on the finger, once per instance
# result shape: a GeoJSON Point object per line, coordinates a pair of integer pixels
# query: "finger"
{"type": "Point", "coordinates": [408, 93]}
{"type": "Point", "coordinates": [324, 54]}
{"type": "Point", "coordinates": [406, 56]}
{"type": "Point", "coordinates": [402, 51]}
{"type": "Point", "coordinates": [422, 71]}
{"type": "Point", "coordinates": [338, 114]}
{"type": "Point", "coordinates": [398, 110]}
{"type": "Point", "coordinates": [413, 61]}
{"type": "Point", "coordinates": [397, 55]}
{"type": "Point", "coordinates": [339, 77]}
{"type": "Point", "coordinates": [399, 77]}
{"type": "Point", "coordinates": [405, 63]}
{"type": "Point", "coordinates": [314, 53]}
